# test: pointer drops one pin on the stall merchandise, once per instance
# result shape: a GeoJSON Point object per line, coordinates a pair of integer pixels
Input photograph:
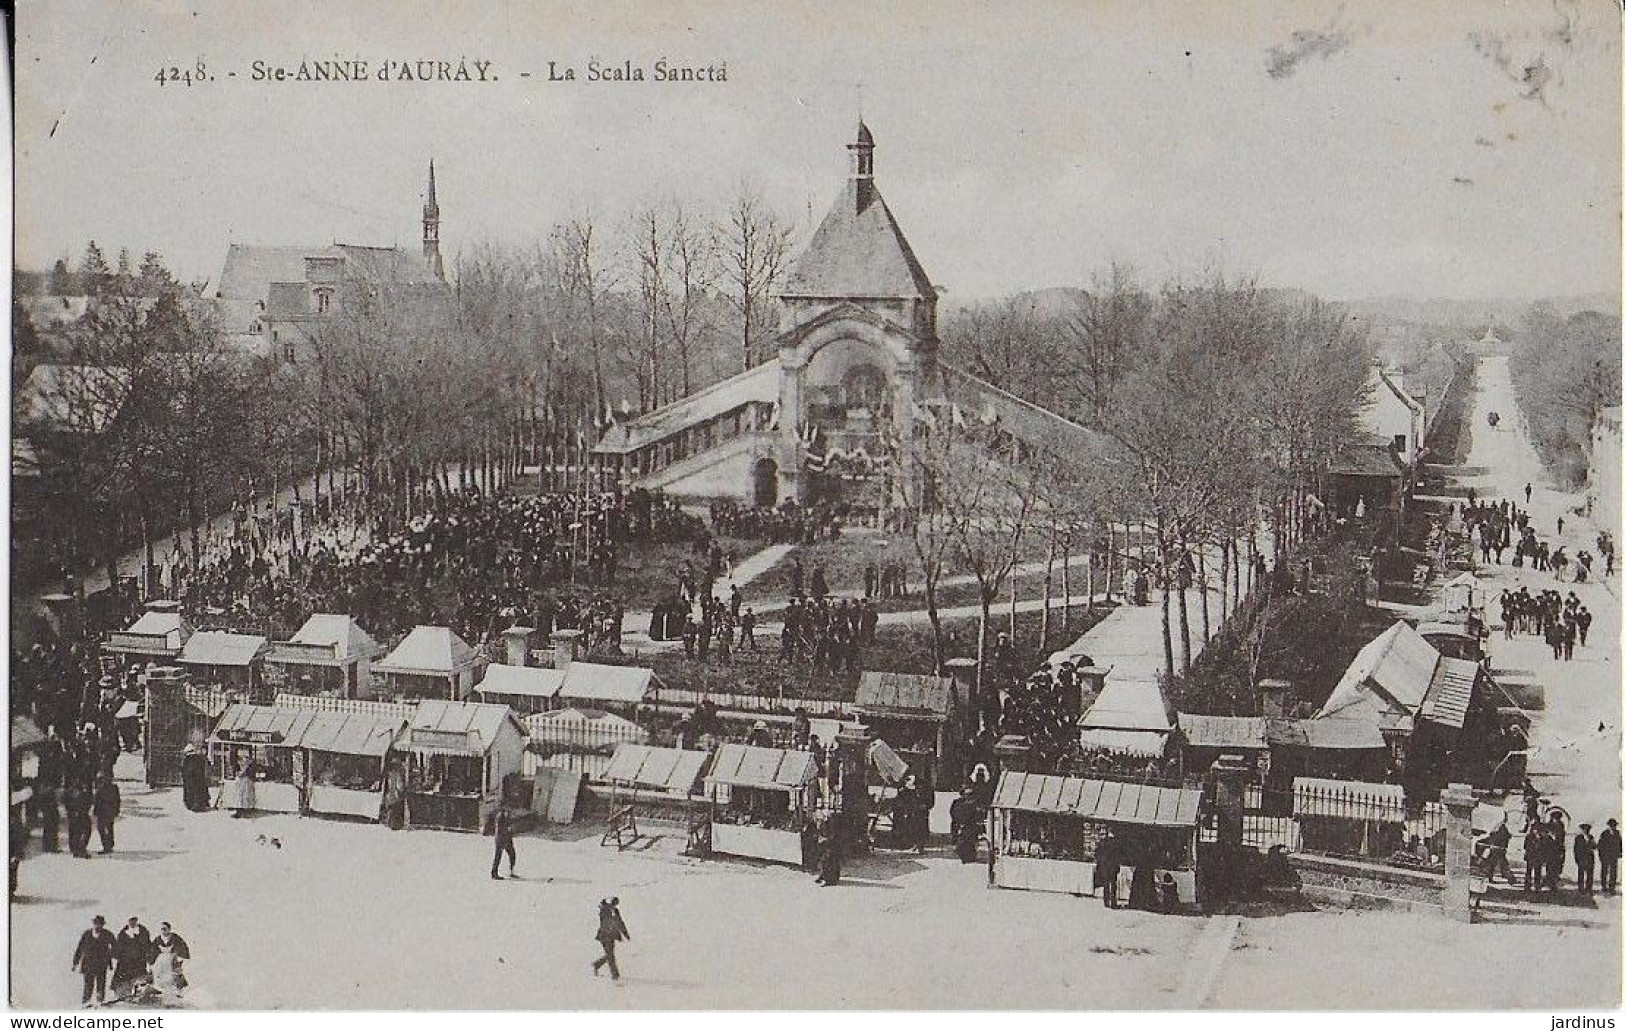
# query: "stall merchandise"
{"type": "Point", "coordinates": [345, 761]}
{"type": "Point", "coordinates": [762, 800]}
{"type": "Point", "coordinates": [267, 737]}
{"type": "Point", "coordinates": [1046, 831]}
{"type": "Point", "coordinates": [457, 757]}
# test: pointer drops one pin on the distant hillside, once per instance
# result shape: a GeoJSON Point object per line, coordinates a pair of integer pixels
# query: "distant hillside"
{"type": "Point", "coordinates": [1442, 311]}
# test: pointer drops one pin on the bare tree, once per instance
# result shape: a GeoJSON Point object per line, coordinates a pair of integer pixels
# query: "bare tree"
{"type": "Point", "coordinates": [755, 246]}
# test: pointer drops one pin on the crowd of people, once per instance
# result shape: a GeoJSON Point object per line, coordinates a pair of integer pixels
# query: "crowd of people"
{"type": "Point", "coordinates": [789, 523]}
{"type": "Point", "coordinates": [1558, 620]}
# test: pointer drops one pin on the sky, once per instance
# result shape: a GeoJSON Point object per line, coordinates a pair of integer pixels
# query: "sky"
{"type": "Point", "coordinates": [1445, 148]}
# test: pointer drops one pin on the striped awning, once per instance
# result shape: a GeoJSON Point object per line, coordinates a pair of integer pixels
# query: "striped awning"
{"type": "Point", "coordinates": [1108, 801]}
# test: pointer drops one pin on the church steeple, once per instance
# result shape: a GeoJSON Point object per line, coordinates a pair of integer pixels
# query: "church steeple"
{"type": "Point", "coordinates": [431, 228]}
{"type": "Point", "coordinates": [863, 165]}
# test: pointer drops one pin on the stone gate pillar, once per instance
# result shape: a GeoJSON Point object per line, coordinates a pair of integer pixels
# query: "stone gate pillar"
{"type": "Point", "coordinates": [1459, 801]}
{"type": "Point", "coordinates": [852, 750]}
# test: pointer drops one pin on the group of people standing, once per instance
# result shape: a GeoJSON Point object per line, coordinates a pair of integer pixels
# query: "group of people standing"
{"type": "Point", "coordinates": [137, 960]}
{"type": "Point", "coordinates": [1547, 848]}
{"type": "Point", "coordinates": [1558, 620]}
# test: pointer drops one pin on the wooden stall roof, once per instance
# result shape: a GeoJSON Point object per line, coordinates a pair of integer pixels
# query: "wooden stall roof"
{"type": "Point", "coordinates": [749, 767]}
{"type": "Point", "coordinates": [676, 770]}
{"type": "Point", "coordinates": [219, 648]}
{"type": "Point", "coordinates": [434, 720]}
{"type": "Point", "coordinates": [905, 694]}
{"type": "Point", "coordinates": [1108, 801]}
{"type": "Point", "coordinates": [1241, 732]}
{"type": "Point", "coordinates": [1451, 693]}
{"type": "Point", "coordinates": [285, 726]}
{"type": "Point", "coordinates": [428, 651]}
{"type": "Point", "coordinates": [527, 681]}
{"type": "Point", "coordinates": [351, 733]}
{"type": "Point", "coordinates": [1330, 733]}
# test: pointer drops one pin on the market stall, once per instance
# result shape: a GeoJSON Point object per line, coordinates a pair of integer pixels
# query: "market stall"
{"type": "Point", "coordinates": [330, 654]}
{"type": "Point", "coordinates": [1046, 831]}
{"type": "Point", "coordinates": [158, 635]}
{"type": "Point", "coordinates": [918, 716]}
{"type": "Point", "coordinates": [761, 801]}
{"type": "Point", "coordinates": [267, 737]}
{"type": "Point", "coordinates": [344, 761]}
{"type": "Point", "coordinates": [524, 689]}
{"type": "Point", "coordinates": [225, 660]}
{"type": "Point", "coordinates": [596, 685]}
{"type": "Point", "coordinates": [457, 756]}
{"type": "Point", "coordinates": [1130, 718]}
{"type": "Point", "coordinates": [430, 662]}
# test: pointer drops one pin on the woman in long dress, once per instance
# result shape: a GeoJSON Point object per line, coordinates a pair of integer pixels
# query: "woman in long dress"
{"type": "Point", "coordinates": [194, 780]}
{"type": "Point", "coordinates": [169, 956]}
{"type": "Point", "coordinates": [240, 796]}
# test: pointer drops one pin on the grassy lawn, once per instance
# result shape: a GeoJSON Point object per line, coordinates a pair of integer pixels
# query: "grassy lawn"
{"type": "Point", "coordinates": [647, 572]}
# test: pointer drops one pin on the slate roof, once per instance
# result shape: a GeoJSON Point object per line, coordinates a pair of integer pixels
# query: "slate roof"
{"type": "Point", "coordinates": [1367, 459]}
{"type": "Point", "coordinates": [76, 398]}
{"type": "Point", "coordinates": [250, 269]}
{"type": "Point", "coordinates": [1109, 801]}
{"type": "Point", "coordinates": [858, 251]}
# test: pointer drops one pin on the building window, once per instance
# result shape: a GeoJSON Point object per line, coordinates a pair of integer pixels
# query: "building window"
{"type": "Point", "coordinates": [1399, 441]}
{"type": "Point", "coordinates": [324, 301]}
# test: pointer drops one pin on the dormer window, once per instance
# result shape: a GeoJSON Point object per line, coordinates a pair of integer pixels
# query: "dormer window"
{"type": "Point", "coordinates": [324, 301]}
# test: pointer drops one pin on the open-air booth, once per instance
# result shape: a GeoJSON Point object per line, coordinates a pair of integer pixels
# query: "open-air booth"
{"type": "Point", "coordinates": [268, 737]}
{"type": "Point", "coordinates": [455, 760]}
{"type": "Point", "coordinates": [762, 800]}
{"type": "Point", "coordinates": [918, 716]}
{"type": "Point", "coordinates": [1046, 832]}
{"type": "Point", "coordinates": [345, 756]}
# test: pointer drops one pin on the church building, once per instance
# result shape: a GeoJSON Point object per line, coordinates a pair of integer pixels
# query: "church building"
{"type": "Point", "coordinates": [857, 366]}
{"type": "Point", "coordinates": [273, 300]}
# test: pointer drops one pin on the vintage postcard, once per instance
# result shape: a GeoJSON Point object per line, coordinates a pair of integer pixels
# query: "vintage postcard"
{"type": "Point", "coordinates": [1057, 505]}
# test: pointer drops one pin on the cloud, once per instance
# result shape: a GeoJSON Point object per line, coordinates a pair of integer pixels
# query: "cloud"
{"type": "Point", "coordinates": [1304, 44]}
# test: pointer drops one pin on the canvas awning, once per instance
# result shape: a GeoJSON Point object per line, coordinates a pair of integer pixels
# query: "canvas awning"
{"type": "Point", "coordinates": [674, 770]}
{"type": "Point", "coordinates": [1130, 705]}
{"type": "Point", "coordinates": [747, 766]}
{"type": "Point", "coordinates": [1107, 801]}
{"type": "Point", "coordinates": [352, 733]}
{"type": "Point", "coordinates": [598, 682]}
{"type": "Point", "coordinates": [520, 681]}
{"type": "Point", "coordinates": [887, 763]}
{"type": "Point", "coordinates": [242, 723]}
{"type": "Point", "coordinates": [1140, 743]}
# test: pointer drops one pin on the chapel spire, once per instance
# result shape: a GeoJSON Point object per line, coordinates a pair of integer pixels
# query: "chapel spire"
{"type": "Point", "coordinates": [431, 228]}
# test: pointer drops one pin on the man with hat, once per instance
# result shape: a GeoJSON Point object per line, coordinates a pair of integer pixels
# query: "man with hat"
{"type": "Point", "coordinates": [1608, 848]}
{"type": "Point", "coordinates": [1585, 853]}
{"type": "Point", "coordinates": [92, 957]}
{"type": "Point", "coordinates": [131, 951]}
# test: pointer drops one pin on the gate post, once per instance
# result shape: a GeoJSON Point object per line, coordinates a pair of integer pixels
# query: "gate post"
{"type": "Point", "coordinates": [1229, 779]}
{"type": "Point", "coordinates": [1457, 900]}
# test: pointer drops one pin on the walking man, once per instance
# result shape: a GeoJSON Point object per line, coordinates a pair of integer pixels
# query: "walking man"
{"type": "Point", "coordinates": [502, 824]}
{"type": "Point", "coordinates": [92, 957]}
{"type": "Point", "coordinates": [105, 806]}
{"type": "Point", "coordinates": [611, 929]}
{"type": "Point", "coordinates": [131, 952]}
{"type": "Point", "coordinates": [1585, 852]}
{"type": "Point", "coordinates": [1528, 489]}
{"type": "Point", "coordinates": [1608, 856]}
